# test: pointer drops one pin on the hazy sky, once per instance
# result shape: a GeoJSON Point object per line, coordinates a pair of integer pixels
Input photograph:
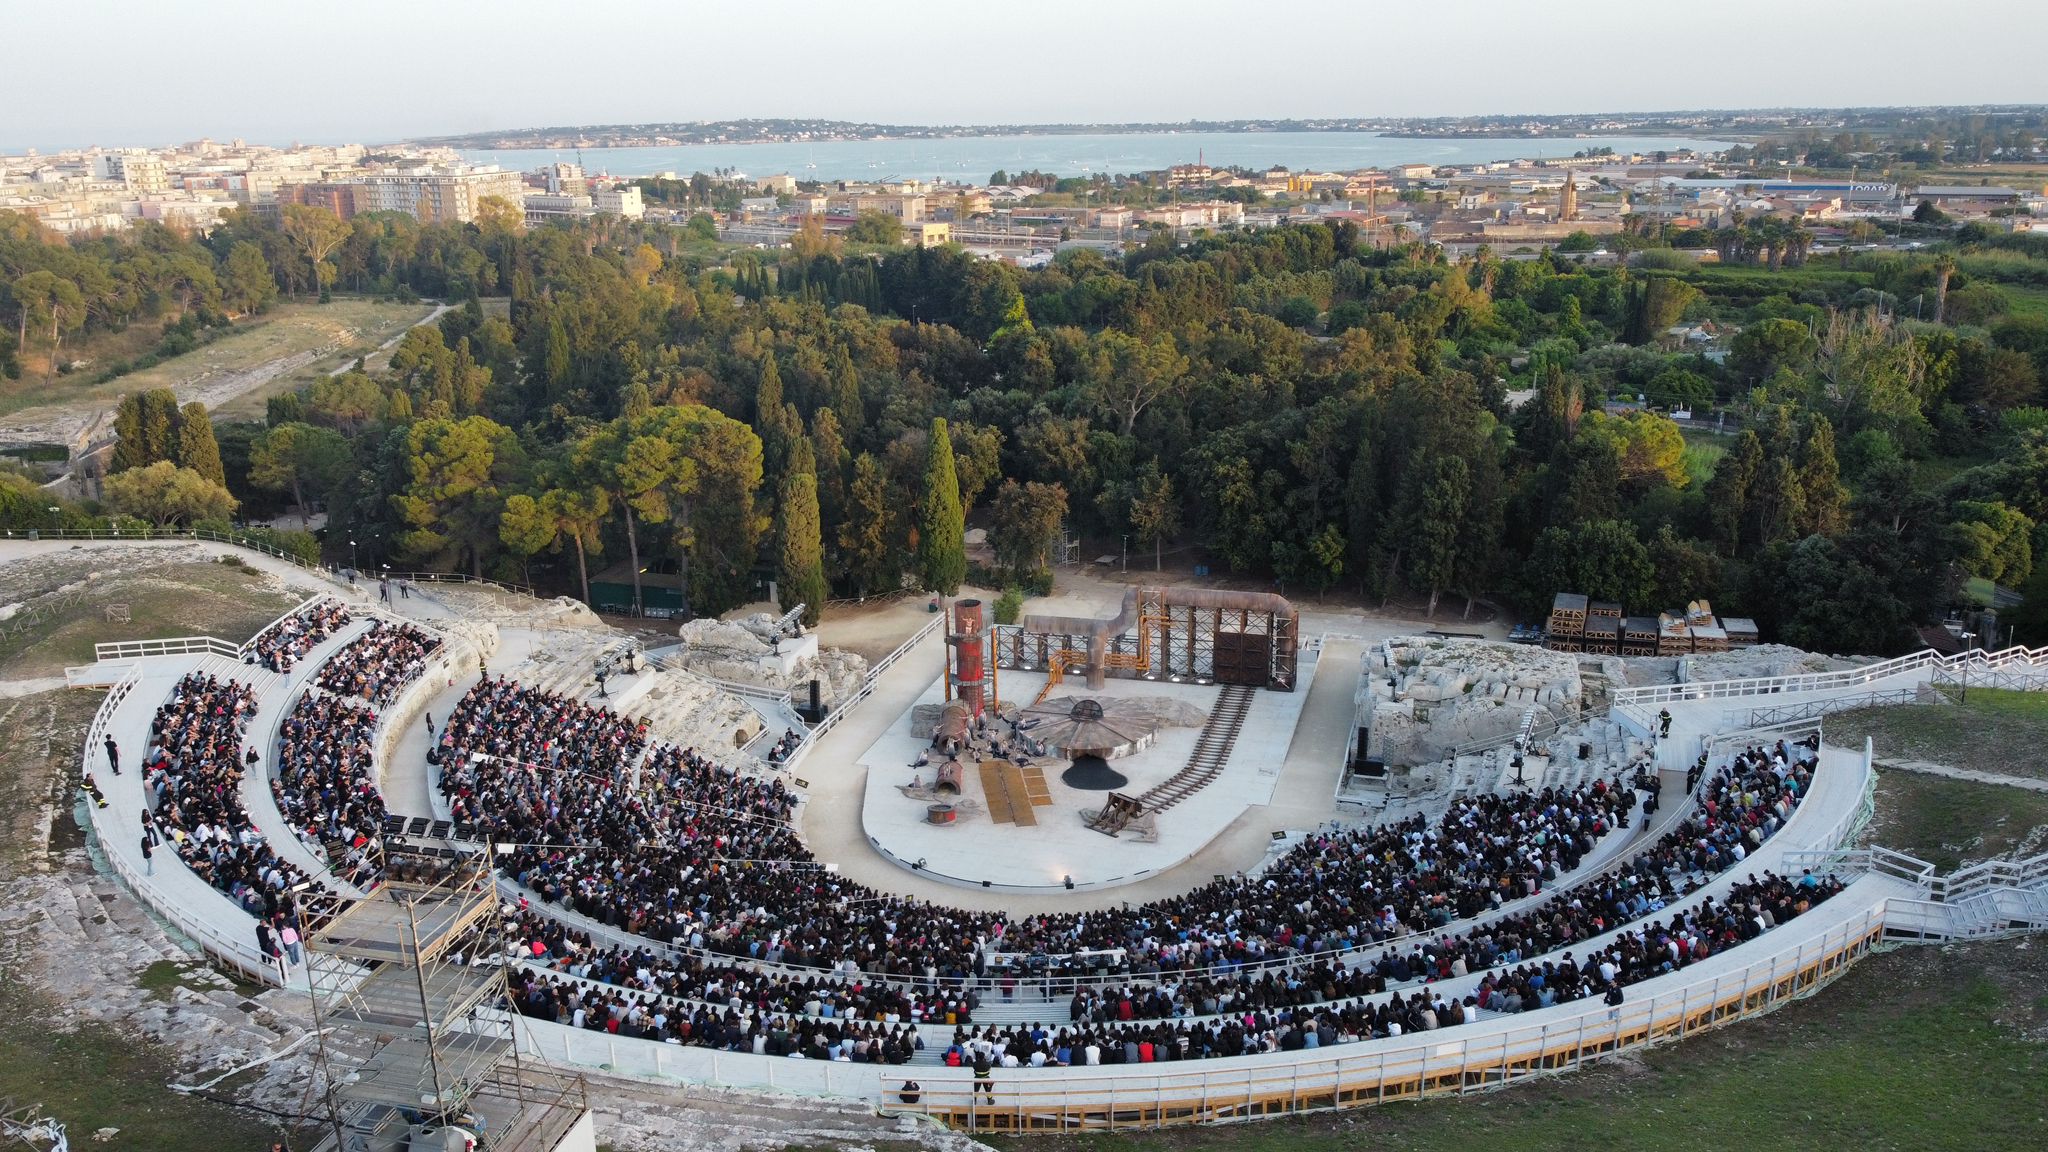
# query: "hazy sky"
{"type": "Point", "coordinates": [86, 72]}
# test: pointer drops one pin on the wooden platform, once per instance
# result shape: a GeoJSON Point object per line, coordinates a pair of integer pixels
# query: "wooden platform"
{"type": "Point", "coordinates": [1012, 792]}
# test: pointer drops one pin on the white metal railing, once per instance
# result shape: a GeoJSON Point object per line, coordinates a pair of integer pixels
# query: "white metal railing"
{"type": "Point", "coordinates": [237, 540]}
{"type": "Point", "coordinates": [249, 647]}
{"type": "Point", "coordinates": [168, 646]}
{"type": "Point", "coordinates": [1823, 706]}
{"type": "Point", "coordinates": [2020, 680]}
{"type": "Point", "coordinates": [1470, 1058]}
{"type": "Point", "coordinates": [866, 689]}
{"type": "Point", "coordinates": [240, 955]}
{"type": "Point", "coordinates": [1829, 681]}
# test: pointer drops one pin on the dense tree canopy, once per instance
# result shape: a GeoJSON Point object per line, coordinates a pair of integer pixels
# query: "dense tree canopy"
{"type": "Point", "coordinates": [1288, 404]}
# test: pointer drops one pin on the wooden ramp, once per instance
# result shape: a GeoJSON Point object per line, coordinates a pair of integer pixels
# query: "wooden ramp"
{"type": "Point", "coordinates": [1012, 792]}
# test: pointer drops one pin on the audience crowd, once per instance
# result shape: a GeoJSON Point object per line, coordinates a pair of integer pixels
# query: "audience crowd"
{"type": "Point", "coordinates": [378, 663]}
{"type": "Point", "coordinates": [783, 746]}
{"type": "Point", "coordinates": [544, 747]}
{"type": "Point", "coordinates": [326, 783]}
{"type": "Point", "coordinates": [744, 1010]}
{"type": "Point", "coordinates": [280, 646]}
{"type": "Point", "coordinates": [193, 774]}
{"type": "Point", "coordinates": [698, 855]}
{"type": "Point", "coordinates": [1743, 805]}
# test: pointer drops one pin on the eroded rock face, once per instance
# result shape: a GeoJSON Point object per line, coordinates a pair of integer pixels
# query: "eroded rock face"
{"type": "Point", "coordinates": [1438, 695]}
{"type": "Point", "coordinates": [742, 651]}
{"type": "Point", "coordinates": [1761, 660]}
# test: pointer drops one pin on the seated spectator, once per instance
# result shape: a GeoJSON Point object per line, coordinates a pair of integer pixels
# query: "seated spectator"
{"type": "Point", "coordinates": [193, 773]}
{"type": "Point", "coordinates": [280, 646]}
{"type": "Point", "coordinates": [376, 665]}
{"type": "Point", "coordinates": [326, 783]}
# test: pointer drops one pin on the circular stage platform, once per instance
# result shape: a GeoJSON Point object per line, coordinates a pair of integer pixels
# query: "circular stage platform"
{"type": "Point", "coordinates": [1029, 836]}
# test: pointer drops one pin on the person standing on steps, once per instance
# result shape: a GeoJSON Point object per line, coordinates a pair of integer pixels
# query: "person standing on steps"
{"type": "Point", "coordinates": [1663, 722]}
{"type": "Point", "coordinates": [984, 1082]}
{"type": "Point", "coordinates": [113, 755]}
{"type": "Point", "coordinates": [148, 866]}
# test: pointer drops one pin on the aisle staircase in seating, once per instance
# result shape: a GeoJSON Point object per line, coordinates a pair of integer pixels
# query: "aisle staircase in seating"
{"type": "Point", "coordinates": [1211, 751]}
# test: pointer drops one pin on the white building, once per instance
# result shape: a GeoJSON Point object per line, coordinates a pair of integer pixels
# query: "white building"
{"type": "Point", "coordinates": [622, 201]}
{"type": "Point", "coordinates": [438, 193]}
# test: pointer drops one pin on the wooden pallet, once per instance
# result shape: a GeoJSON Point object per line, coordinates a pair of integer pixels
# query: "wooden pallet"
{"type": "Point", "coordinates": [995, 793]}
{"type": "Point", "coordinates": [1035, 785]}
{"type": "Point", "coordinates": [1013, 792]}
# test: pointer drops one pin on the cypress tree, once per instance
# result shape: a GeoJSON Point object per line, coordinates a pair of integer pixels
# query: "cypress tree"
{"type": "Point", "coordinates": [828, 451]}
{"type": "Point", "coordinates": [846, 399]}
{"type": "Point", "coordinates": [197, 448]}
{"type": "Point", "coordinates": [864, 549]}
{"type": "Point", "coordinates": [801, 570]}
{"type": "Point", "coordinates": [147, 426]}
{"type": "Point", "coordinates": [555, 357]}
{"type": "Point", "coordinates": [1820, 480]}
{"type": "Point", "coordinates": [1729, 493]}
{"type": "Point", "coordinates": [941, 527]}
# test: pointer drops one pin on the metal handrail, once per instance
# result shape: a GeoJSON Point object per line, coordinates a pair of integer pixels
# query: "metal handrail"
{"type": "Point", "coordinates": [240, 955]}
{"type": "Point", "coordinates": [1827, 681]}
{"type": "Point", "coordinates": [237, 540]}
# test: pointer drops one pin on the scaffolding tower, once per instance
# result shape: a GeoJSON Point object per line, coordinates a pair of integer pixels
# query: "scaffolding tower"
{"type": "Point", "coordinates": [414, 975]}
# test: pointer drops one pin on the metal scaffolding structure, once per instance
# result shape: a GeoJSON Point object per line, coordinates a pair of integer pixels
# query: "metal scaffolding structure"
{"type": "Point", "coordinates": [414, 974]}
{"type": "Point", "coordinates": [1196, 635]}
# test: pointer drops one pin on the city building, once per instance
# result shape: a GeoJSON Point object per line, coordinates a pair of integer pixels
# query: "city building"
{"type": "Point", "coordinates": [139, 172]}
{"type": "Point", "coordinates": [437, 193]}
{"type": "Point", "coordinates": [622, 201]}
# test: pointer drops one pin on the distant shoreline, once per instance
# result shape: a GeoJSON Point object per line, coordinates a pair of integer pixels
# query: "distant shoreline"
{"type": "Point", "coordinates": [521, 144]}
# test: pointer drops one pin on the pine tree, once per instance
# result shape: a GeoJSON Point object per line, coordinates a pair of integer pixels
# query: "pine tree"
{"type": "Point", "coordinates": [799, 533]}
{"type": "Point", "coordinates": [1820, 481]}
{"type": "Point", "coordinates": [941, 529]}
{"type": "Point", "coordinates": [197, 448]}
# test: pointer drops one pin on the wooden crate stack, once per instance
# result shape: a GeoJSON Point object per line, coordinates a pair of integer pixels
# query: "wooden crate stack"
{"type": "Point", "coordinates": [1673, 637]}
{"type": "Point", "coordinates": [1707, 633]}
{"type": "Point", "coordinates": [1603, 635]}
{"type": "Point", "coordinates": [1567, 629]}
{"type": "Point", "coordinates": [1741, 631]}
{"type": "Point", "coordinates": [1639, 636]}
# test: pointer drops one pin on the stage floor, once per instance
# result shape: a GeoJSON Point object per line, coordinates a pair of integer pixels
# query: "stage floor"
{"type": "Point", "coordinates": [976, 852]}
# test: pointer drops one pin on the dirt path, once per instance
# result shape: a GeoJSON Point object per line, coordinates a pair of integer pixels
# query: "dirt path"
{"type": "Point", "coordinates": [87, 419]}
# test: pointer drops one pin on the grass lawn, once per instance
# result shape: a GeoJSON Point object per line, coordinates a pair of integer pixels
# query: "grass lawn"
{"type": "Point", "coordinates": [324, 335]}
{"type": "Point", "coordinates": [1703, 450]}
{"type": "Point", "coordinates": [1994, 731]}
{"type": "Point", "coordinates": [1922, 1048]}
{"type": "Point", "coordinates": [2026, 301]}
{"type": "Point", "coordinates": [1946, 822]}
{"type": "Point", "coordinates": [59, 626]}
{"type": "Point", "coordinates": [89, 1075]}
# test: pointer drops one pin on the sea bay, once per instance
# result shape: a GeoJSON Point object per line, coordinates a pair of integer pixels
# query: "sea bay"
{"type": "Point", "coordinates": [972, 159]}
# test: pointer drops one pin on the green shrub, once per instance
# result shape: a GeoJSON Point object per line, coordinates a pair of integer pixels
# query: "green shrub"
{"type": "Point", "coordinates": [1009, 606]}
